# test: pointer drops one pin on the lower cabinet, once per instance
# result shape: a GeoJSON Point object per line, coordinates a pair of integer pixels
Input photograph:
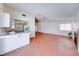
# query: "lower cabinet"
{"type": "Point", "coordinates": [12, 42]}
{"type": "Point", "coordinates": [23, 39]}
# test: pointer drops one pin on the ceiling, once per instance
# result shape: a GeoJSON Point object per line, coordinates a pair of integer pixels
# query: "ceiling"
{"type": "Point", "coordinates": [49, 10]}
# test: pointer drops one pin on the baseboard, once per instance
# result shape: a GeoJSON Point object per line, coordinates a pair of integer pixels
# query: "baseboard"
{"type": "Point", "coordinates": [53, 34]}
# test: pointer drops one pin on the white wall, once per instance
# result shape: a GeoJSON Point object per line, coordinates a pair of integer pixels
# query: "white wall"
{"type": "Point", "coordinates": [1, 10]}
{"type": "Point", "coordinates": [76, 21]}
{"type": "Point", "coordinates": [18, 15]}
{"type": "Point", "coordinates": [52, 27]}
{"type": "Point", "coordinates": [76, 26]}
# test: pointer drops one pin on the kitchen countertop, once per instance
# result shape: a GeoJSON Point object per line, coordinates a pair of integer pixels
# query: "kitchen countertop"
{"type": "Point", "coordinates": [9, 35]}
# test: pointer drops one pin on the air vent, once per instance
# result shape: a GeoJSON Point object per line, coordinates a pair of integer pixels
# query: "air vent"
{"type": "Point", "coordinates": [24, 15]}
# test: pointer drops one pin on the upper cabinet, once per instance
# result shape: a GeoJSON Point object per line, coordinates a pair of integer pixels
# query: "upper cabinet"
{"type": "Point", "coordinates": [4, 19]}
{"type": "Point", "coordinates": [1, 7]}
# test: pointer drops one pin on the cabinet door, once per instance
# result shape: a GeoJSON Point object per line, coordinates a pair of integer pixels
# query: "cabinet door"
{"type": "Point", "coordinates": [11, 43]}
{"type": "Point", "coordinates": [4, 20]}
{"type": "Point", "coordinates": [24, 38]}
{"type": "Point", "coordinates": [1, 7]}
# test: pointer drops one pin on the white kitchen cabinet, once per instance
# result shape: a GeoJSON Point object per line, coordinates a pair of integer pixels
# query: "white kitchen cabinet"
{"type": "Point", "coordinates": [7, 43]}
{"type": "Point", "coordinates": [24, 38]}
{"type": "Point", "coordinates": [1, 7]}
{"type": "Point", "coordinates": [11, 42]}
{"type": "Point", "coordinates": [4, 19]}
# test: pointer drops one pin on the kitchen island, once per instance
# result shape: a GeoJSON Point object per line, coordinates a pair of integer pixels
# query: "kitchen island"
{"type": "Point", "coordinates": [11, 42]}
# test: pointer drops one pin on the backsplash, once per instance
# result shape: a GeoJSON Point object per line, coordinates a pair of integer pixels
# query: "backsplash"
{"type": "Point", "coordinates": [18, 26]}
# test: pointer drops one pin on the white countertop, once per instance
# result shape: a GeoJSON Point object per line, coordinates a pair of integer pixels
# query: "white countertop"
{"type": "Point", "coordinates": [9, 35]}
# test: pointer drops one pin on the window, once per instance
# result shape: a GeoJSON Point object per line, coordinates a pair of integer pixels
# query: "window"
{"type": "Point", "coordinates": [65, 27]}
